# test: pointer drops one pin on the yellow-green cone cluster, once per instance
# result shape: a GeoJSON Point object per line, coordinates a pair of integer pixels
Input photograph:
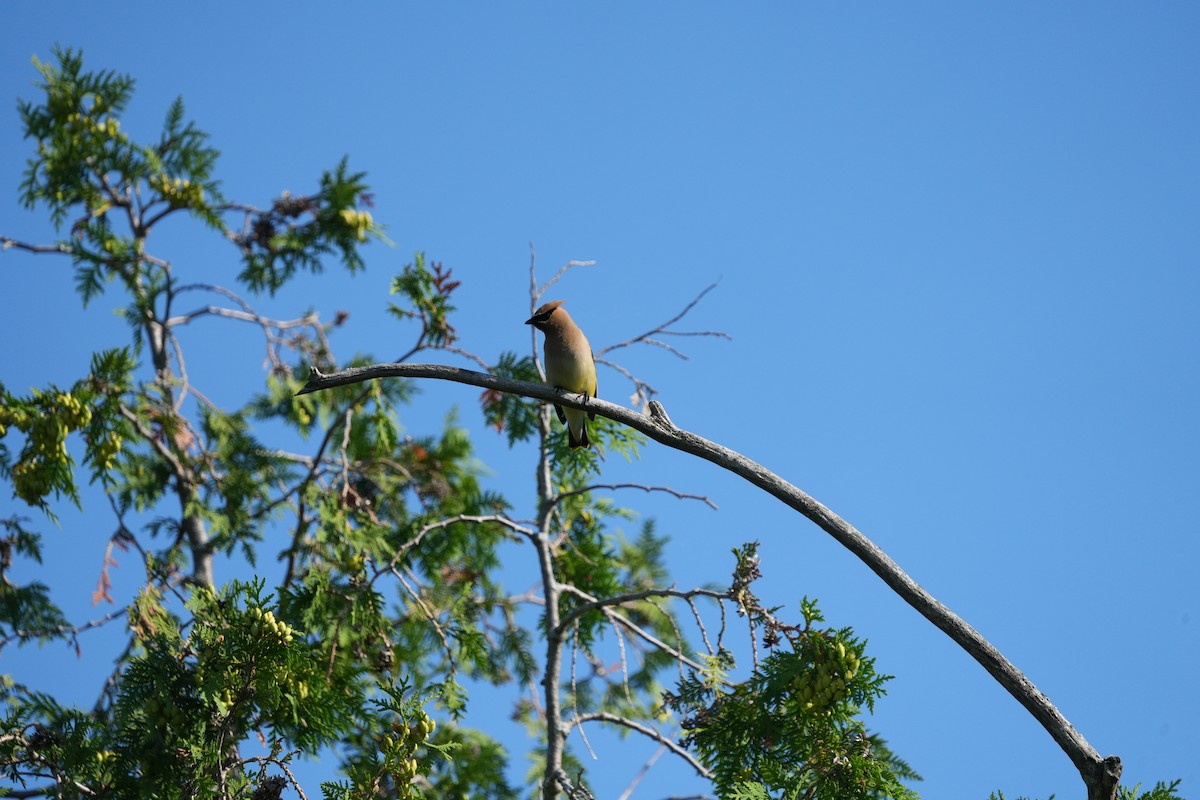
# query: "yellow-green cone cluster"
{"type": "Point", "coordinates": [403, 741]}
{"type": "Point", "coordinates": [179, 192]}
{"type": "Point", "coordinates": [265, 622]}
{"type": "Point", "coordinates": [826, 682]}
{"type": "Point", "coordinates": [47, 421]}
{"type": "Point", "coordinates": [360, 221]}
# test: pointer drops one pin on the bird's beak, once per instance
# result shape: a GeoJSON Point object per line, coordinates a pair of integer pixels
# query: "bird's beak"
{"type": "Point", "coordinates": [529, 321]}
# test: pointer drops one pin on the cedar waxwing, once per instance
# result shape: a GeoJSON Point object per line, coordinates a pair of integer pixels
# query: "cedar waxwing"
{"type": "Point", "coordinates": [569, 365]}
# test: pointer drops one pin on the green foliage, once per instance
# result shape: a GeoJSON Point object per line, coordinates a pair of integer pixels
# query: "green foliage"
{"type": "Point", "coordinates": [480, 777]}
{"type": "Point", "coordinates": [792, 728]}
{"type": "Point", "coordinates": [388, 598]}
{"type": "Point", "coordinates": [298, 232]}
{"type": "Point", "coordinates": [75, 128]}
{"type": "Point", "coordinates": [26, 612]}
{"type": "Point", "coordinates": [211, 672]}
{"type": "Point", "coordinates": [426, 290]}
{"type": "Point", "coordinates": [256, 670]}
{"type": "Point", "coordinates": [232, 502]}
{"type": "Point", "coordinates": [643, 568]}
{"type": "Point", "coordinates": [748, 790]}
{"type": "Point", "coordinates": [391, 548]}
{"type": "Point", "coordinates": [1161, 791]}
{"type": "Point", "coordinates": [575, 467]}
{"type": "Point", "coordinates": [194, 690]}
{"type": "Point", "coordinates": [587, 561]}
{"type": "Point", "coordinates": [85, 162]}
{"type": "Point", "coordinates": [44, 466]}
{"type": "Point", "coordinates": [515, 416]}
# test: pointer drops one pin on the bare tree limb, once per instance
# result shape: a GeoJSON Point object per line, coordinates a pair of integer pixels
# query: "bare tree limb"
{"type": "Point", "coordinates": [642, 392]}
{"type": "Point", "coordinates": [637, 630]}
{"type": "Point", "coordinates": [494, 519]}
{"type": "Point", "coordinates": [60, 248]}
{"type": "Point", "coordinates": [232, 313]}
{"type": "Point", "coordinates": [662, 330]}
{"type": "Point", "coordinates": [1100, 775]}
{"type": "Point", "coordinates": [66, 631]}
{"type": "Point", "coordinates": [642, 486]}
{"type": "Point", "coordinates": [562, 271]}
{"type": "Point", "coordinates": [645, 730]}
{"type": "Point", "coordinates": [621, 599]}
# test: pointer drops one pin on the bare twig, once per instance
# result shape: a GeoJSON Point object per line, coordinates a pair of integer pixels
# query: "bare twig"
{"type": "Point", "coordinates": [624, 663]}
{"type": "Point", "coordinates": [703, 628]}
{"type": "Point", "coordinates": [66, 631]}
{"type": "Point", "coordinates": [642, 486]}
{"type": "Point", "coordinates": [625, 795]}
{"type": "Point", "coordinates": [642, 391]}
{"type": "Point", "coordinates": [430, 615]}
{"type": "Point", "coordinates": [445, 523]}
{"type": "Point", "coordinates": [645, 730]}
{"type": "Point", "coordinates": [273, 329]}
{"type": "Point", "coordinates": [632, 627]}
{"type": "Point", "coordinates": [245, 316]}
{"type": "Point", "coordinates": [562, 271]}
{"type": "Point", "coordinates": [663, 330]}
{"type": "Point", "coordinates": [281, 763]}
{"type": "Point", "coordinates": [60, 248]}
{"type": "Point", "coordinates": [458, 351]}
{"type": "Point", "coordinates": [575, 690]}
{"type": "Point", "coordinates": [622, 599]}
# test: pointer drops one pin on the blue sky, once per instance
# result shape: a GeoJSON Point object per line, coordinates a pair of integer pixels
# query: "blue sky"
{"type": "Point", "coordinates": [957, 254]}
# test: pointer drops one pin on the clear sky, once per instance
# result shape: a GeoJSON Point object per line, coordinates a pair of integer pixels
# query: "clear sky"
{"type": "Point", "coordinates": [957, 251]}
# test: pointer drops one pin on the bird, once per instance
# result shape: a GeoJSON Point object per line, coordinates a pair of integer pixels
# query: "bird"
{"type": "Point", "coordinates": [570, 366]}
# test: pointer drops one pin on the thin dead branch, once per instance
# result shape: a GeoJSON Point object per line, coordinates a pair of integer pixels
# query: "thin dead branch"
{"type": "Point", "coordinates": [643, 487]}
{"type": "Point", "coordinates": [664, 330]}
{"type": "Point", "coordinates": [645, 730]}
{"type": "Point", "coordinates": [60, 248]}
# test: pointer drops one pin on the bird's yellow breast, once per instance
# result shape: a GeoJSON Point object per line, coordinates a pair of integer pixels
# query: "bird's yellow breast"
{"type": "Point", "coordinates": [571, 370]}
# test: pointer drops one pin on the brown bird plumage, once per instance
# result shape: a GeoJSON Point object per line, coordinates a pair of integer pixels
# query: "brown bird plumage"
{"type": "Point", "coordinates": [569, 366]}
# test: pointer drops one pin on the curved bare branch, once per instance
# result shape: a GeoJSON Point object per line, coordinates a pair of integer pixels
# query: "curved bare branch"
{"type": "Point", "coordinates": [663, 330]}
{"type": "Point", "coordinates": [681, 495]}
{"type": "Point", "coordinates": [1098, 774]}
{"type": "Point", "coordinates": [645, 730]}
{"type": "Point", "coordinates": [622, 599]}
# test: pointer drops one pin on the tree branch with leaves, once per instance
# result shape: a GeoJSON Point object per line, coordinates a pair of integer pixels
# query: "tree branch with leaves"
{"type": "Point", "coordinates": [362, 591]}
